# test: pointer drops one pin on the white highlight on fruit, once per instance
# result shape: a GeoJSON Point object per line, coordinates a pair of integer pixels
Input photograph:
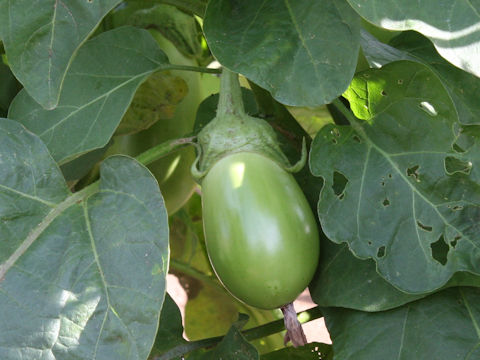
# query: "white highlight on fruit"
{"type": "Point", "coordinates": [237, 171]}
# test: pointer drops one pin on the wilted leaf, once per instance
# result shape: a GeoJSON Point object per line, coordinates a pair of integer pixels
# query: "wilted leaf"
{"type": "Point", "coordinates": [443, 326]}
{"type": "Point", "coordinates": [154, 100]}
{"type": "Point", "coordinates": [111, 66]}
{"type": "Point", "coordinates": [453, 26]}
{"type": "Point", "coordinates": [178, 27]}
{"type": "Point", "coordinates": [303, 52]}
{"type": "Point", "coordinates": [83, 274]}
{"type": "Point", "coordinates": [41, 40]}
{"type": "Point", "coordinates": [387, 191]}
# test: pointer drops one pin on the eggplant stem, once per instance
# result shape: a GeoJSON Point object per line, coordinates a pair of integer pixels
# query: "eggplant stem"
{"type": "Point", "coordinates": [295, 332]}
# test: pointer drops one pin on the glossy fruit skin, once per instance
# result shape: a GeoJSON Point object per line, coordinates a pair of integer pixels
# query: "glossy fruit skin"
{"type": "Point", "coordinates": [261, 235]}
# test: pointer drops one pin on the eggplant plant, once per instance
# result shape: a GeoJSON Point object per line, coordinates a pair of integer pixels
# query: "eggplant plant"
{"type": "Point", "coordinates": [348, 162]}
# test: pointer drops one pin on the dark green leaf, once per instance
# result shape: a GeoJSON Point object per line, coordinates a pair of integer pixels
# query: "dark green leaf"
{"type": "Point", "coordinates": [311, 351]}
{"type": "Point", "coordinates": [83, 274]}
{"type": "Point", "coordinates": [80, 166]}
{"type": "Point", "coordinates": [303, 52]}
{"type": "Point", "coordinates": [96, 93]}
{"type": "Point", "coordinates": [373, 91]}
{"type": "Point", "coordinates": [443, 326]}
{"type": "Point", "coordinates": [41, 40]}
{"type": "Point", "coordinates": [453, 26]}
{"type": "Point", "coordinates": [343, 280]}
{"type": "Point", "coordinates": [170, 330]}
{"type": "Point", "coordinates": [9, 87]}
{"type": "Point", "coordinates": [377, 53]}
{"type": "Point", "coordinates": [464, 88]}
{"type": "Point", "coordinates": [387, 193]}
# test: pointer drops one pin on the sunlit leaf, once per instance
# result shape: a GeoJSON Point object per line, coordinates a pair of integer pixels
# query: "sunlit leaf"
{"type": "Point", "coordinates": [453, 26]}
{"type": "Point", "coordinates": [463, 87]}
{"type": "Point", "coordinates": [42, 37]}
{"type": "Point", "coordinates": [387, 191]}
{"type": "Point", "coordinates": [96, 93]}
{"type": "Point", "coordinates": [83, 274]}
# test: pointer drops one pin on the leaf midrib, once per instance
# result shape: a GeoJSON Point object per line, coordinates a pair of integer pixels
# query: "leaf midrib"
{"type": "Point", "coordinates": [359, 129]}
{"type": "Point", "coordinates": [35, 233]}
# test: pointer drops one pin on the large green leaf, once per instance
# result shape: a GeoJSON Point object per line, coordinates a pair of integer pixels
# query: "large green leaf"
{"type": "Point", "coordinates": [343, 280]}
{"type": "Point", "coordinates": [453, 26]}
{"type": "Point", "coordinates": [42, 37]}
{"type": "Point", "coordinates": [463, 87]}
{"type": "Point", "coordinates": [443, 326]}
{"type": "Point", "coordinates": [402, 187]}
{"type": "Point", "coordinates": [83, 274]}
{"type": "Point", "coordinates": [303, 52]}
{"type": "Point", "coordinates": [96, 93]}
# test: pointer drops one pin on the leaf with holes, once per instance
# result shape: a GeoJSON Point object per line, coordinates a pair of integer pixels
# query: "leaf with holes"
{"type": "Point", "coordinates": [463, 87]}
{"type": "Point", "coordinates": [343, 280]}
{"type": "Point", "coordinates": [396, 188]}
{"type": "Point", "coordinates": [452, 26]}
{"type": "Point", "coordinates": [86, 119]}
{"type": "Point", "coordinates": [303, 52]}
{"type": "Point", "coordinates": [41, 40]}
{"type": "Point", "coordinates": [83, 274]}
{"type": "Point", "coordinates": [443, 326]}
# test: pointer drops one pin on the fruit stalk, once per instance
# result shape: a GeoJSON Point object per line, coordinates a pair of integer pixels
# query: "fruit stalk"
{"type": "Point", "coordinates": [230, 101]}
{"type": "Point", "coordinates": [294, 329]}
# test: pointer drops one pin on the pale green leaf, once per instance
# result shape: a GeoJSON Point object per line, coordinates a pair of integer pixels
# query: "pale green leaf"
{"type": "Point", "coordinates": [97, 91]}
{"type": "Point", "coordinates": [42, 37]}
{"type": "Point", "coordinates": [83, 274]}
